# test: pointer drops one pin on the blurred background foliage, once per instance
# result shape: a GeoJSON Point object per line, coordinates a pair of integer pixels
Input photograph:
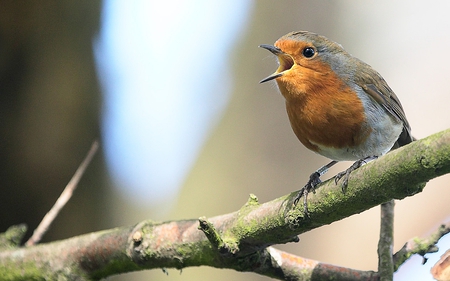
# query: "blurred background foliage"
{"type": "Point", "coordinates": [57, 82]}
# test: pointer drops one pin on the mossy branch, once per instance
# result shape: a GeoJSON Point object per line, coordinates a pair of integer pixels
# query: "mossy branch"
{"type": "Point", "coordinates": [246, 233]}
{"type": "Point", "coordinates": [420, 246]}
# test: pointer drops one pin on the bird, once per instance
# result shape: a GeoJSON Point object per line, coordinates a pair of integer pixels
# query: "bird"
{"type": "Point", "coordinates": [338, 106]}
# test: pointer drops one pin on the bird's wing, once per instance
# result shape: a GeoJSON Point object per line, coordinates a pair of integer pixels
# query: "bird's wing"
{"type": "Point", "coordinates": [379, 90]}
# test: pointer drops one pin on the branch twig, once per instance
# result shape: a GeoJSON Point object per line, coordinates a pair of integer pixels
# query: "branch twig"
{"type": "Point", "coordinates": [63, 198]}
{"type": "Point", "coordinates": [385, 244]}
{"type": "Point", "coordinates": [420, 246]}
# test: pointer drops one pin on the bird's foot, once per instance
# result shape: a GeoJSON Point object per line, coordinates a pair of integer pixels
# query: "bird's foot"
{"type": "Point", "coordinates": [314, 180]}
{"type": "Point", "coordinates": [346, 174]}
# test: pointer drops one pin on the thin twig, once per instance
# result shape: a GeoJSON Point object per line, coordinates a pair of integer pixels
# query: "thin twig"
{"type": "Point", "coordinates": [385, 244]}
{"type": "Point", "coordinates": [63, 198]}
{"type": "Point", "coordinates": [420, 246]}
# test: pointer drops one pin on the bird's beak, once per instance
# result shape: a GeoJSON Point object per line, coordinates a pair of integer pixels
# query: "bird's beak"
{"type": "Point", "coordinates": [285, 61]}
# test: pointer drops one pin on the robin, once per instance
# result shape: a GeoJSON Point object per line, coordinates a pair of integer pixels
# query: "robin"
{"type": "Point", "coordinates": [338, 106]}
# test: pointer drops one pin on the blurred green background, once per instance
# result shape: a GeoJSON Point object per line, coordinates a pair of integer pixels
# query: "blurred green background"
{"type": "Point", "coordinates": [52, 106]}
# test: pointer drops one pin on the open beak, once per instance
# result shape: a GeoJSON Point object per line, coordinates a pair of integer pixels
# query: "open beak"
{"type": "Point", "coordinates": [285, 61]}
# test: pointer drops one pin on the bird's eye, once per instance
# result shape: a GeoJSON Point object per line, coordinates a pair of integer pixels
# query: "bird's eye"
{"type": "Point", "coordinates": [308, 52]}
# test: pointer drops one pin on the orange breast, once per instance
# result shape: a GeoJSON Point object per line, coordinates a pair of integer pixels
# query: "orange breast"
{"type": "Point", "coordinates": [322, 109]}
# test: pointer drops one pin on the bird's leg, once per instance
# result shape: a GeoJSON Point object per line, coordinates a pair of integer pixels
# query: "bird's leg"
{"type": "Point", "coordinates": [314, 180]}
{"type": "Point", "coordinates": [345, 174]}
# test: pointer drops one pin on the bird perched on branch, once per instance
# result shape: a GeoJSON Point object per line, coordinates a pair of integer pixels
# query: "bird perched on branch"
{"type": "Point", "coordinates": [338, 106]}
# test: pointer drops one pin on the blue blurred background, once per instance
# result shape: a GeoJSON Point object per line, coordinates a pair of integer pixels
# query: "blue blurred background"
{"type": "Point", "coordinates": [159, 63]}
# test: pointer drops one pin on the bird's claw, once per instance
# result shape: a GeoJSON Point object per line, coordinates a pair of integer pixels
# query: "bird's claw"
{"type": "Point", "coordinates": [314, 180]}
{"type": "Point", "coordinates": [345, 175]}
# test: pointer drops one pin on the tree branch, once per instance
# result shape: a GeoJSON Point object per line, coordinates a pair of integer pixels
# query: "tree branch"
{"type": "Point", "coordinates": [386, 242]}
{"type": "Point", "coordinates": [247, 232]}
{"type": "Point", "coordinates": [420, 246]}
